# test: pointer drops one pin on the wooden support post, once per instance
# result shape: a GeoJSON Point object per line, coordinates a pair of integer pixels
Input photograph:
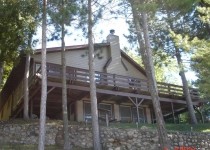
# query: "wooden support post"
{"type": "Point", "coordinates": [114, 80]}
{"type": "Point", "coordinates": [50, 90]}
{"type": "Point", "coordinates": [69, 111]}
{"type": "Point", "coordinates": [107, 120]}
{"type": "Point", "coordinates": [172, 107]}
{"type": "Point", "coordinates": [31, 109]}
{"type": "Point", "coordinates": [137, 111]}
{"type": "Point", "coordinates": [137, 104]}
{"type": "Point", "coordinates": [12, 104]}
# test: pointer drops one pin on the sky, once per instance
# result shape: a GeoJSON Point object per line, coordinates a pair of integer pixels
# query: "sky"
{"type": "Point", "coordinates": [101, 31]}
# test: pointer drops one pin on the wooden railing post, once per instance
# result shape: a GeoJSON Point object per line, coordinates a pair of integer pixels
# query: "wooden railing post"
{"type": "Point", "coordinates": [169, 89]}
{"type": "Point", "coordinates": [118, 81]}
{"type": "Point", "coordinates": [107, 119]}
{"type": "Point", "coordinates": [114, 80]}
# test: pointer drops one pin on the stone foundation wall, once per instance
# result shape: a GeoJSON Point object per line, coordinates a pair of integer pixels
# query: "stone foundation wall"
{"type": "Point", "coordinates": [111, 138]}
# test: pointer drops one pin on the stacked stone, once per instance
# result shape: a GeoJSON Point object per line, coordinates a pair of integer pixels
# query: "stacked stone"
{"type": "Point", "coordinates": [111, 138]}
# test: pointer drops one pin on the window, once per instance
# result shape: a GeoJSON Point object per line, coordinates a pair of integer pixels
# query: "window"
{"type": "Point", "coordinates": [141, 115]}
{"type": "Point", "coordinates": [38, 66]}
{"type": "Point", "coordinates": [87, 112]}
{"type": "Point", "coordinates": [125, 113]}
{"type": "Point", "coordinates": [97, 77]}
{"type": "Point", "coordinates": [105, 108]}
{"type": "Point", "coordinates": [102, 109]}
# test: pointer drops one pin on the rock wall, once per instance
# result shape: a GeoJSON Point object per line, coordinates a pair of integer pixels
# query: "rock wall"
{"type": "Point", "coordinates": [111, 138]}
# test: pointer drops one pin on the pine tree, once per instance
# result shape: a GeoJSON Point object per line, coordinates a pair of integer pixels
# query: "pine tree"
{"type": "Point", "coordinates": [145, 50]}
{"type": "Point", "coordinates": [93, 97]}
{"type": "Point", "coordinates": [42, 126]}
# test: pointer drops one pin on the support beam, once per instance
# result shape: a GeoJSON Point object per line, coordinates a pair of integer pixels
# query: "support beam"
{"type": "Point", "coordinates": [137, 104]}
{"type": "Point", "coordinates": [172, 107]}
{"type": "Point", "coordinates": [136, 101]}
{"type": "Point", "coordinates": [21, 106]}
{"type": "Point", "coordinates": [118, 93]}
{"type": "Point", "coordinates": [31, 109]}
{"type": "Point", "coordinates": [50, 90]}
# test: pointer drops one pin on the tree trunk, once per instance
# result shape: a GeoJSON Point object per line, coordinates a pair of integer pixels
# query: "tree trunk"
{"type": "Point", "coordinates": [66, 145]}
{"type": "Point", "coordinates": [42, 128]}
{"type": "Point", "coordinates": [185, 88]}
{"type": "Point", "coordinates": [1, 72]}
{"type": "Point", "coordinates": [26, 88]}
{"type": "Point", "coordinates": [93, 97]}
{"type": "Point", "coordinates": [146, 54]}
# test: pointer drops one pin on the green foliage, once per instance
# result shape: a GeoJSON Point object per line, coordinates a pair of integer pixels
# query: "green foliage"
{"type": "Point", "coordinates": [180, 41]}
{"type": "Point", "coordinates": [205, 11]}
{"type": "Point", "coordinates": [7, 68]}
{"type": "Point", "coordinates": [178, 5]}
{"type": "Point", "coordinates": [180, 16]}
{"type": "Point", "coordinates": [201, 65]}
{"type": "Point", "coordinates": [170, 127]}
{"type": "Point", "coordinates": [61, 14]}
{"type": "Point", "coordinates": [201, 57]}
{"type": "Point", "coordinates": [165, 66]}
{"type": "Point", "coordinates": [17, 19]}
{"type": "Point", "coordinates": [18, 22]}
{"type": "Point", "coordinates": [184, 117]}
{"type": "Point", "coordinates": [58, 14]}
{"type": "Point", "coordinates": [199, 46]}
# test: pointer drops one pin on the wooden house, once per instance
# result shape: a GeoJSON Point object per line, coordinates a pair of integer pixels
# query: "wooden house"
{"type": "Point", "coordinates": [122, 88]}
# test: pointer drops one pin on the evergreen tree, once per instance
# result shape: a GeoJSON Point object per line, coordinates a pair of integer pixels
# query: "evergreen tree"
{"type": "Point", "coordinates": [198, 45]}
{"type": "Point", "coordinates": [141, 25]}
{"type": "Point", "coordinates": [62, 14]}
{"type": "Point", "coordinates": [42, 126]}
{"type": "Point", "coordinates": [180, 18]}
{"type": "Point", "coordinates": [18, 19]}
{"type": "Point", "coordinates": [93, 97]}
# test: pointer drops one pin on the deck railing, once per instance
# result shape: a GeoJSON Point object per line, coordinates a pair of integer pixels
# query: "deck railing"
{"type": "Point", "coordinates": [118, 81]}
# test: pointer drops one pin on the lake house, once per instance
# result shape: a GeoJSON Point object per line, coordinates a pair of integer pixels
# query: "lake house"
{"type": "Point", "coordinates": [122, 88]}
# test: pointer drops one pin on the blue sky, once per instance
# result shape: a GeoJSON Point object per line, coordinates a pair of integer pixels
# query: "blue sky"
{"type": "Point", "coordinates": [101, 30]}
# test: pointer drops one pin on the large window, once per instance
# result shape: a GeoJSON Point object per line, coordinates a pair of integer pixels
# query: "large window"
{"type": "Point", "coordinates": [125, 113]}
{"type": "Point", "coordinates": [141, 115]}
{"type": "Point", "coordinates": [105, 109]}
{"type": "Point", "coordinates": [87, 112]}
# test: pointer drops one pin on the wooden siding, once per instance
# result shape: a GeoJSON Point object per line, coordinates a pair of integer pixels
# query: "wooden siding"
{"type": "Point", "coordinates": [107, 84]}
{"type": "Point", "coordinates": [6, 111]}
{"type": "Point", "coordinates": [13, 101]}
{"type": "Point", "coordinates": [78, 58]}
{"type": "Point", "coordinates": [79, 111]}
{"type": "Point", "coordinates": [132, 71]}
{"type": "Point", "coordinates": [80, 76]}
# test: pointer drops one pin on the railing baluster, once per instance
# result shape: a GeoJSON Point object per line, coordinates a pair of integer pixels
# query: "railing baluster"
{"type": "Point", "coordinates": [114, 80]}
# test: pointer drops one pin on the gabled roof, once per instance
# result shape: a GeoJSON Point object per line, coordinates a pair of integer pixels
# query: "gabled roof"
{"type": "Point", "coordinates": [97, 45]}
{"type": "Point", "coordinates": [134, 63]}
{"type": "Point", "coordinates": [17, 72]}
{"type": "Point", "coordinates": [72, 48]}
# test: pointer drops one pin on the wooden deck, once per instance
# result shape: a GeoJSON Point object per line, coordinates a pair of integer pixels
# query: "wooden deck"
{"type": "Point", "coordinates": [109, 86]}
{"type": "Point", "coordinates": [116, 84]}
